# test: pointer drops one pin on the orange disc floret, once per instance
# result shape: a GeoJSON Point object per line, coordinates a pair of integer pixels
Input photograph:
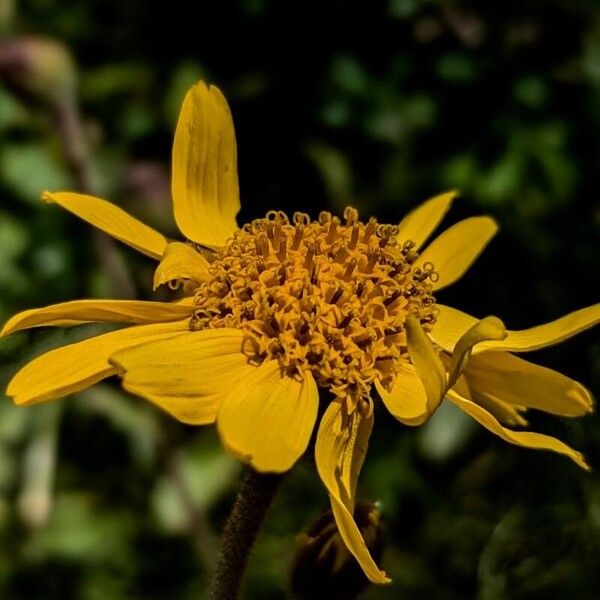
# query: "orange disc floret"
{"type": "Point", "coordinates": [323, 296]}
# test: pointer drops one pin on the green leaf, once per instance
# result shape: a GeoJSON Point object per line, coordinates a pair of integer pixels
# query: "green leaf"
{"type": "Point", "coordinates": [30, 168]}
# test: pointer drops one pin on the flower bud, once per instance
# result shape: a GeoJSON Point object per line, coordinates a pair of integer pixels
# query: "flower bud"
{"type": "Point", "coordinates": [37, 70]}
{"type": "Point", "coordinates": [323, 566]}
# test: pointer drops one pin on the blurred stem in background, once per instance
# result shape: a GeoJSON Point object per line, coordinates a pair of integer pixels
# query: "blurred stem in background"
{"type": "Point", "coordinates": [205, 542]}
{"type": "Point", "coordinates": [39, 464]}
{"type": "Point", "coordinates": [42, 72]}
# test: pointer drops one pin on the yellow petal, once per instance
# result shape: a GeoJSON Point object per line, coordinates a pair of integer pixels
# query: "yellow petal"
{"type": "Point", "coordinates": [267, 418]}
{"type": "Point", "coordinates": [180, 261]}
{"type": "Point", "coordinates": [504, 412]}
{"type": "Point", "coordinates": [418, 225]}
{"type": "Point", "coordinates": [528, 439]}
{"type": "Point", "coordinates": [77, 366]}
{"type": "Point", "coordinates": [113, 220]}
{"type": "Point", "coordinates": [407, 400]}
{"type": "Point", "coordinates": [186, 375]}
{"type": "Point", "coordinates": [204, 180]}
{"type": "Point", "coordinates": [339, 452]}
{"type": "Point", "coordinates": [490, 328]}
{"type": "Point", "coordinates": [427, 363]}
{"type": "Point", "coordinates": [450, 325]}
{"type": "Point", "coordinates": [547, 334]}
{"type": "Point", "coordinates": [522, 383]}
{"type": "Point", "coordinates": [96, 311]}
{"type": "Point", "coordinates": [453, 252]}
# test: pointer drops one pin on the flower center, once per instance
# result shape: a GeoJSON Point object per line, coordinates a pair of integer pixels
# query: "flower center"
{"type": "Point", "coordinates": [320, 296]}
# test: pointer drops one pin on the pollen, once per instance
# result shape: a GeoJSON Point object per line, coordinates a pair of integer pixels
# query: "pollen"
{"type": "Point", "coordinates": [326, 296]}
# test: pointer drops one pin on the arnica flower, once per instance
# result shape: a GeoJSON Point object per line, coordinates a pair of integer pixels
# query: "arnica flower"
{"type": "Point", "coordinates": [281, 309]}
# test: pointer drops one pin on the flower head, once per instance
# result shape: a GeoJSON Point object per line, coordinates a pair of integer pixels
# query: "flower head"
{"type": "Point", "coordinates": [279, 309]}
{"type": "Point", "coordinates": [326, 297]}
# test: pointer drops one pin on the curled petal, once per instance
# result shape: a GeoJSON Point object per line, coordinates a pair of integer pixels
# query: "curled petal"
{"type": "Point", "coordinates": [407, 400]}
{"type": "Point", "coordinates": [449, 326]}
{"type": "Point", "coordinates": [112, 220]}
{"type": "Point", "coordinates": [455, 250]}
{"type": "Point", "coordinates": [528, 439]}
{"type": "Point", "coordinates": [204, 180]}
{"type": "Point", "coordinates": [490, 328]}
{"type": "Point", "coordinates": [418, 390]}
{"type": "Point", "coordinates": [427, 363]}
{"type": "Point", "coordinates": [266, 419]}
{"type": "Point", "coordinates": [339, 452]}
{"type": "Point", "coordinates": [180, 261]}
{"type": "Point", "coordinates": [547, 334]}
{"type": "Point", "coordinates": [419, 224]}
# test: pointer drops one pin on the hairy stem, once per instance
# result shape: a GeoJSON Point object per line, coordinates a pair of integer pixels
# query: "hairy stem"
{"type": "Point", "coordinates": [240, 531]}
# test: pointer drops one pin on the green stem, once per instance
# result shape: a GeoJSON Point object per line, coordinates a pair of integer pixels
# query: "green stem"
{"type": "Point", "coordinates": [78, 158]}
{"type": "Point", "coordinates": [240, 531]}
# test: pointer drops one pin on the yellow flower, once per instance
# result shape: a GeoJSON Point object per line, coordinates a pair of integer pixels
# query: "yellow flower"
{"type": "Point", "coordinates": [279, 308]}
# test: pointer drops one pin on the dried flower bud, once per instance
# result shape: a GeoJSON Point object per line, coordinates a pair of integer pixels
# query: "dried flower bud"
{"type": "Point", "coordinates": [38, 70]}
{"type": "Point", "coordinates": [323, 566]}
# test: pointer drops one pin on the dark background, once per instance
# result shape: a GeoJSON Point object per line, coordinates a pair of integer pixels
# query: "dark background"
{"type": "Point", "coordinates": [374, 104]}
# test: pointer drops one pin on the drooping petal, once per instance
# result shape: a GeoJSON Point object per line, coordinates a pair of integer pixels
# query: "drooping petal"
{"type": "Point", "coordinates": [204, 179]}
{"type": "Point", "coordinates": [427, 363]}
{"type": "Point", "coordinates": [504, 412]}
{"type": "Point", "coordinates": [407, 400]}
{"type": "Point", "coordinates": [522, 383]}
{"type": "Point", "coordinates": [547, 334]}
{"type": "Point", "coordinates": [528, 439]}
{"type": "Point", "coordinates": [339, 453]}
{"type": "Point", "coordinates": [186, 375]}
{"type": "Point", "coordinates": [490, 328]}
{"type": "Point", "coordinates": [77, 366]}
{"type": "Point", "coordinates": [419, 224]}
{"type": "Point", "coordinates": [266, 419]}
{"type": "Point", "coordinates": [418, 390]}
{"type": "Point", "coordinates": [455, 250]}
{"type": "Point", "coordinates": [77, 312]}
{"type": "Point", "coordinates": [180, 261]}
{"type": "Point", "coordinates": [113, 220]}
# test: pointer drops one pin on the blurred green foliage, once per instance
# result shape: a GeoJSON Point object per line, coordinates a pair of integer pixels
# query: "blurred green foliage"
{"type": "Point", "coordinates": [375, 104]}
